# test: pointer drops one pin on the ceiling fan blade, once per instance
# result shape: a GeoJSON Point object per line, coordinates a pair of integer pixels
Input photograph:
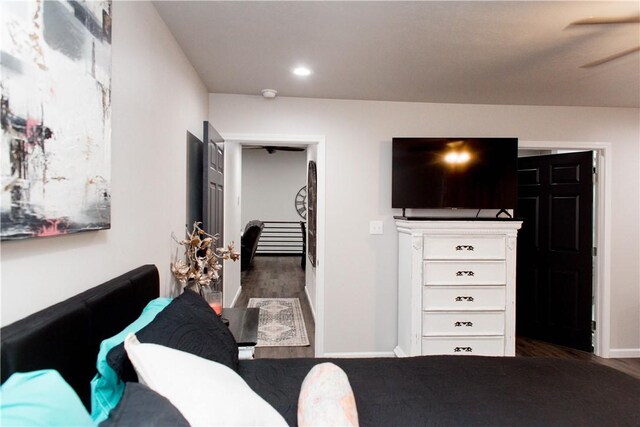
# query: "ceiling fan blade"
{"type": "Point", "coordinates": [290, 148]}
{"type": "Point", "coordinates": [603, 20]}
{"type": "Point", "coordinates": [273, 148]}
{"type": "Point", "coordinates": [611, 57]}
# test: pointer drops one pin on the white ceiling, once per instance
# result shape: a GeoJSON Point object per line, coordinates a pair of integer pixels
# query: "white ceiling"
{"type": "Point", "coordinates": [447, 52]}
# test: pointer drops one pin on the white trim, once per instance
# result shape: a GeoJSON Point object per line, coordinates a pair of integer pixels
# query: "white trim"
{"type": "Point", "coordinates": [235, 297]}
{"type": "Point", "coordinates": [313, 310]}
{"type": "Point", "coordinates": [360, 355]}
{"type": "Point", "coordinates": [302, 140]}
{"type": "Point", "coordinates": [273, 139]}
{"type": "Point", "coordinates": [603, 238]}
{"type": "Point", "coordinates": [624, 352]}
{"type": "Point", "coordinates": [398, 352]}
{"type": "Point", "coordinates": [320, 246]}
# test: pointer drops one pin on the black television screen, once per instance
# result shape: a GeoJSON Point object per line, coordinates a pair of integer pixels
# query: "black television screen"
{"type": "Point", "coordinates": [475, 173]}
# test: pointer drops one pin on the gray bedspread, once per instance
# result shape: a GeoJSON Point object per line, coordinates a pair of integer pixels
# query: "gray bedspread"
{"type": "Point", "coordinates": [463, 391]}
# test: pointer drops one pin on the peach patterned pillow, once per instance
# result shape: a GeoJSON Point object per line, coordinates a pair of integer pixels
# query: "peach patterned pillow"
{"type": "Point", "coordinates": [326, 398]}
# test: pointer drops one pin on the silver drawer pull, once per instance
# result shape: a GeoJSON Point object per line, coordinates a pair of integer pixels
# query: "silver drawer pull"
{"type": "Point", "coordinates": [467, 324]}
{"type": "Point", "coordinates": [461, 349]}
{"type": "Point", "coordinates": [464, 247]}
{"type": "Point", "coordinates": [465, 273]}
{"type": "Point", "coordinates": [470, 299]}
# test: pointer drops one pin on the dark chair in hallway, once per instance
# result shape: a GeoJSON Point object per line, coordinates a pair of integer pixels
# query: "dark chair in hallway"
{"type": "Point", "coordinates": [249, 243]}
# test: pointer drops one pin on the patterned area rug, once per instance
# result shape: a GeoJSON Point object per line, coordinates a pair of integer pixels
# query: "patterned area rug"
{"type": "Point", "coordinates": [281, 323]}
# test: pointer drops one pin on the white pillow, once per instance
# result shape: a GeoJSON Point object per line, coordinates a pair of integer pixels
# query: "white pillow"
{"type": "Point", "coordinates": [205, 392]}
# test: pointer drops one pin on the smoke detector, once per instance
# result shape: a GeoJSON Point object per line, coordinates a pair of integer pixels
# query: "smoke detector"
{"type": "Point", "coordinates": [269, 93]}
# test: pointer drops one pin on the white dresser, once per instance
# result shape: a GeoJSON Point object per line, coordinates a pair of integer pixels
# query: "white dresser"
{"type": "Point", "coordinates": [456, 287]}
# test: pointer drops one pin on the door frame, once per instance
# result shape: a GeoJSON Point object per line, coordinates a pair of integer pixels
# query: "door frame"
{"type": "Point", "coordinates": [602, 224]}
{"type": "Point", "coordinates": [251, 139]}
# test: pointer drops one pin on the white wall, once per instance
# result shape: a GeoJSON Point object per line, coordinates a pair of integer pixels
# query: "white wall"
{"type": "Point", "coordinates": [361, 269]}
{"type": "Point", "coordinates": [270, 183]}
{"type": "Point", "coordinates": [156, 97]}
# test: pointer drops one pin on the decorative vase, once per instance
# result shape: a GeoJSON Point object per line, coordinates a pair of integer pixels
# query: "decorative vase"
{"type": "Point", "coordinates": [213, 298]}
{"type": "Point", "coordinates": [210, 295]}
{"type": "Point", "coordinates": [194, 286]}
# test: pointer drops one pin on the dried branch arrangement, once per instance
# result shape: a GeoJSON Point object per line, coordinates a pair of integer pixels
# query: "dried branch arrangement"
{"type": "Point", "coordinates": [202, 257]}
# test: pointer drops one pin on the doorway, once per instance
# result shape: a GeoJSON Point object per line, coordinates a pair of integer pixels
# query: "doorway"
{"type": "Point", "coordinates": [601, 230]}
{"type": "Point", "coordinates": [314, 275]}
{"type": "Point", "coordinates": [554, 300]}
{"type": "Point", "coordinates": [273, 180]}
{"type": "Point", "coordinates": [272, 256]}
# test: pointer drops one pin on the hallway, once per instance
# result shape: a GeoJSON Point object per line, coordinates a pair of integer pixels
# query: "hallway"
{"type": "Point", "coordinates": [278, 277]}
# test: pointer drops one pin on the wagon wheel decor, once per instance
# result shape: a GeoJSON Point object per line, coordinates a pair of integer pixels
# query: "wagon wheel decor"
{"type": "Point", "coordinates": [301, 202]}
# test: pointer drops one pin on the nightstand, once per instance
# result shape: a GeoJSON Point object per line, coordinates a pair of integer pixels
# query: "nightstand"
{"type": "Point", "coordinates": [243, 324]}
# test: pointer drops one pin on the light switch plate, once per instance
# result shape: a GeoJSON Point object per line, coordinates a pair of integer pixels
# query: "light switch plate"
{"type": "Point", "coordinates": [375, 227]}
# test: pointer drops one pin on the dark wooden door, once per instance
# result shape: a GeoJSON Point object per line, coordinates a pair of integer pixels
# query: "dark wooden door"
{"type": "Point", "coordinates": [195, 182]}
{"type": "Point", "coordinates": [213, 185]}
{"type": "Point", "coordinates": [555, 247]}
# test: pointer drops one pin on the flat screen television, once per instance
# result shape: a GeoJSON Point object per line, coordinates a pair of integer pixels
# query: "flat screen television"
{"type": "Point", "coordinates": [473, 173]}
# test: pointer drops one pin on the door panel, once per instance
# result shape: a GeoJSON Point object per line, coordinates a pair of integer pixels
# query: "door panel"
{"type": "Point", "coordinates": [554, 268]}
{"type": "Point", "coordinates": [564, 290]}
{"type": "Point", "coordinates": [213, 184]}
{"type": "Point", "coordinates": [213, 181]}
{"type": "Point", "coordinates": [564, 224]}
{"type": "Point", "coordinates": [528, 177]}
{"type": "Point", "coordinates": [565, 174]}
{"type": "Point", "coordinates": [194, 179]}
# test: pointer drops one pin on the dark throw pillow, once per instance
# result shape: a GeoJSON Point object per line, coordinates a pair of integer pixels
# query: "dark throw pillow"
{"type": "Point", "coordinates": [187, 324]}
{"type": "Point", "coordinates": [141, 406]}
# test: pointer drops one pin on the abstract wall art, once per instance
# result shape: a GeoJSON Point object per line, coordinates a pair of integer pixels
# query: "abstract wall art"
{"type": "Point", "coordinates": [55, 64]}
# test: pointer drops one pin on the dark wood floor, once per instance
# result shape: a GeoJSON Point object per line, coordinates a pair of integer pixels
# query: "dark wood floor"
{"type": "Point", "coordinates": [527, 347]}
{"type": "Point", "coordinates": [278, 277]}
{"type": "Point", "coordinates": [282, 277]}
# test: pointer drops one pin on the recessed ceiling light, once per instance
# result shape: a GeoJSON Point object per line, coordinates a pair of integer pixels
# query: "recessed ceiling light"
{"type": "Point", "coordinates": [301, 71]}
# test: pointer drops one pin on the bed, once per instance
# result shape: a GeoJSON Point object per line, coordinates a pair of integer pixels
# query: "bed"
{"type": "Point", "coordinates": [429, 390]}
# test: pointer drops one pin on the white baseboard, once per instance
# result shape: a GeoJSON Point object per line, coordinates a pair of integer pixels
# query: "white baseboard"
{"type": "Point", "coordinates": [236, 296]}
{"type": "Point", "coordinates": [359, 355]}
{"type": "Point", "coordinates": [619, 353]}
{"type": "Point", "coordinates": [313, 310]}
{"type": "Point", "coordinates": [398, 352]}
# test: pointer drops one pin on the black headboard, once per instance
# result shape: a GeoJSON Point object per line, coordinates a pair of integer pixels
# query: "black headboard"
{"type": "Point", "coordinates": [67, 336]}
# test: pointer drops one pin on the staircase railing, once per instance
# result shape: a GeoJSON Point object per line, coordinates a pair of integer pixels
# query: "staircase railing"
{"type": "Point", "coordinates": [280, 238]}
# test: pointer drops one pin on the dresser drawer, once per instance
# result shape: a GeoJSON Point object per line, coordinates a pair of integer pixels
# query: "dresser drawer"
{"type": "Point", "coordinates": [463, 346]}
{"type": "Point", "coordinates": [456, 298]}
{"type": "Point", "coordinates": [462, 323]}
{"type": "Point", "coordinates": [464, 247]}
{"type": "Point", "coordinates": [465, 273]}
